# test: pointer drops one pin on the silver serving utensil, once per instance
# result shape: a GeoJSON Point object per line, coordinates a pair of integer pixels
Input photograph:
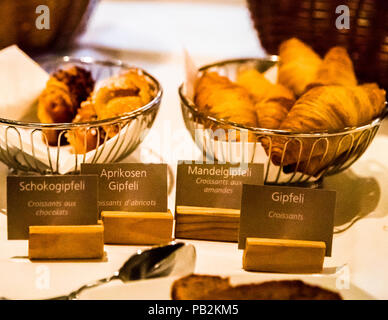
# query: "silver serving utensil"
{"type": "Point", "coordinates": [175, 258]}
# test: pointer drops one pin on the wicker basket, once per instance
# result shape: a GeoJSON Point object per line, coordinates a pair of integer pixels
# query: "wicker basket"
{"type": "Point", "coordinates": [68, 18]}
{"type": "Point", "coordinates": [313, 21]}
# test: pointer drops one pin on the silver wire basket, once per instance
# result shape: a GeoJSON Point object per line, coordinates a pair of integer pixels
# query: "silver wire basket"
{"type": "Point", "coordinates": [24, 145]}
{"type": "Point", "coordinates": [314, 155]}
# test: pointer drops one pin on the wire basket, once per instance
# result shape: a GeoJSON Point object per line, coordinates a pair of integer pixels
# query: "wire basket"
{"type": "Point", "coordinates": [24, 145]}
{"type": "Point", "coordinates": [314, 155]}
{"type": "Point", "coordinates": [314, 22]}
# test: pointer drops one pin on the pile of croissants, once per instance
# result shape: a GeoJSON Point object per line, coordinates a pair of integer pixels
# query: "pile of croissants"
{"type": "Point", "coordinates": [71, 95]}
{"type": "Point", "coordinates": [311, 95]}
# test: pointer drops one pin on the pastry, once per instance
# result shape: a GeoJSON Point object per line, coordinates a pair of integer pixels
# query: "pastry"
{"type": "Point", "coordinates": [85, 139]}
{"type": "Point", "coordinates": [326, 108]}
{"type": "Point", "coordinates": [78, 80]}
{"type": "Point", "coordinates": [329, 99]}
{"type": "Point", "coordinates": [272, 101]}
{"type": "Point", "coordinates": [218, 96]}
{"type": "Point", "coordinates": [121, 94]}
{"type": "Point", "coordinates": [298, 65]}
{"type": "Point", "coordinates": [204, 287]}
{"type": "Point", "coordinates": [59, 101]}
{"type": "Point", "coordinates": [55, 106]}
{"type": "Point", "coordinates": [336, 69]}
{"type": "Point", "coordinates": [70, 96]}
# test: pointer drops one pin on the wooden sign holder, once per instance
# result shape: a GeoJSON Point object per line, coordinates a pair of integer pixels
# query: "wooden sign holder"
{"type": "Point", "coordinates": [201, 223]}
{"type": "Point", "coordinates": [284, 256]}
{"type": "Point", "coordinates": [137, 228]}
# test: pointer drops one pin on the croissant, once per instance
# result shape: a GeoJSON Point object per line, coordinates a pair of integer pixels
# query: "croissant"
{"type": "Point", "coordinates": [326, 108]}
{"type": "Point", "coordinates": [55, 106]}
{"type": "Point", "coordinates": [220, 97]}
{"type": "Point", "coordinates": [78, 80]}
{"type": "Point", "coordinates": [336, 69]}
{"type": "Point", "coordinates": [85, 139]}
{"type": "Point", "coordinates": [255, 83]}
{"type": "Point", "coordinates": [298, 65]}
{"type": "Point", "coordinates": [121, 94]}
{"type": "Point", "coordinates": [59, 101]}
{"type": "Point", "coordinates": [272, 101]}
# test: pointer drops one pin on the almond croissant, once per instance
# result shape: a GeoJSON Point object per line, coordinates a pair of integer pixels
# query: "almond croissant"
{"type": "Point", "coordinates": [220, 97]}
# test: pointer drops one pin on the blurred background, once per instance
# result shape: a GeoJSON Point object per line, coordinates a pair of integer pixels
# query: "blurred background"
{"type": "Point", "coordinates": [152, 30]}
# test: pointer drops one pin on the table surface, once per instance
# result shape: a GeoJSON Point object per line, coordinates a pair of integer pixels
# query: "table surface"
{"type": "Point", "coordinates": [152, 35]}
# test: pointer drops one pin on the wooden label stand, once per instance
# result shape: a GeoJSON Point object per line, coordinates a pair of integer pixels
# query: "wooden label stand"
{"type": "Point", "coordinates": [137, 228]}
{"type": "Point", "coordinates": [207, 223]}
{"type": "Point", "coordinates": [285, 256]}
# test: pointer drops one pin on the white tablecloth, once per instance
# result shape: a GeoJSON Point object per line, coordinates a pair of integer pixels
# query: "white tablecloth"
{"type": "Point", "coordinates": [152, 35]}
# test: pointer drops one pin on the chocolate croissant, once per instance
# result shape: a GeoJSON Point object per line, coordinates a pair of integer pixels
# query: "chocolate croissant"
{"type": "Point", "coordinates": [55, 106]}
{"type": "Point", "coordinates": [298, 65]}
{"type": "Point", "coordinates": [60, 100]}
{"type": "Point", "coordinates": [326, 108]}
{"type": "Point", "coordinates": [79, 81]}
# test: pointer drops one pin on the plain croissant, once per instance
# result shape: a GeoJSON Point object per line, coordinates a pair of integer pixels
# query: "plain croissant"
{"type": "Point", "coordinates": [326, 108]}
{"type": "Point", "coordinates": [336, 69]}
{"type": "Point", "coordinates": [298, 65]}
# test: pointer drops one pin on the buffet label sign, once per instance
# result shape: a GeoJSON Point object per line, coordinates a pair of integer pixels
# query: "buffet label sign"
{"type": "Point", "coordinates": [130, 187]}
{"type": "Point", "coordinates": [291, 213]}
{"type": "Point", "coordinates": [215, 185]}
{"type": "Point", "coordinates": [50, 200]}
